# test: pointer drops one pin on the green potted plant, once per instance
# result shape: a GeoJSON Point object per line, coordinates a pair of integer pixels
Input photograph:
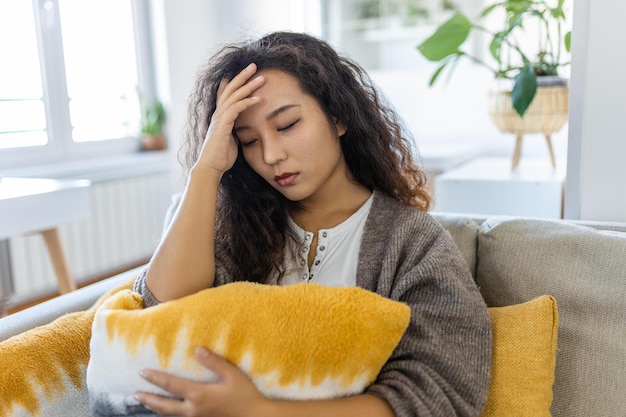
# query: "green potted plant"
{"type": "Point", "coordinates": [153, 118]}
{"type": "Point", "coordinates": [533, 74]}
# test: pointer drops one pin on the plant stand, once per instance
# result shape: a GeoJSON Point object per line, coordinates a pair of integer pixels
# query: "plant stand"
{"type": "Point", "coordinates": [517, 153]}
{"type": "Point", "coordinates": [546, 115]}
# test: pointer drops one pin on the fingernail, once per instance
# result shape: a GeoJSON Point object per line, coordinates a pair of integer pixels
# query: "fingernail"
{"type": "Point", "coordinates": [143, 373]}
{"type": "Point", "coordinates": [140, 398]}
{"type": "Point", "coordinates": [250, 65]}
{"type": "Point", "coordinates": [202, 352]}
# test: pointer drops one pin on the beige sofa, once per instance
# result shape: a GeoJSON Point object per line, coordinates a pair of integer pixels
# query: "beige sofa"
{"type": "Point", "coordinates": [583, 265]}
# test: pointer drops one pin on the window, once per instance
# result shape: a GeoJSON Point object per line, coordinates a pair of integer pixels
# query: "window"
{"type": "Point", "coordinates": [23, 119]}
{"type": "Point", "coordinates": [69, 79]}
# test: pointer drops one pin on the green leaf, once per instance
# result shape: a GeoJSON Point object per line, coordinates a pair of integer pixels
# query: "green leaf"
{"type": "Point", "coordinates": [524, 89]}
{"type": "Point", "coordinates": [447, 38]}
{"type": "Point", "coordinates": [568, 41]}
{"type": "Point", "coordinates": [558, 14]}
{"type": "Point", "coordinates": [490, 9]}
{"type": "Point", "coordinates": [495, 46]}
{"type": "Point", "coordinates": [518, 6]}
{"type": "Point", "coordinates": [435, 75]}
{"type": "Point", "coordinates": [450, 63]}
{"type": "Point", "coordinates": [513, 21]}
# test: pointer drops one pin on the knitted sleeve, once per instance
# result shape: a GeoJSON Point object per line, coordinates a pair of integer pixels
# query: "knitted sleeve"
{"type": "Point", "coordinates": [442, 365]}
{"type": "Point", "coordinates": [140, 287]}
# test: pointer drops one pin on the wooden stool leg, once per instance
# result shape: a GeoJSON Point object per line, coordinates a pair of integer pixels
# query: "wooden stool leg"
{"type": "Point", "coordinates": [59, 262]}
{"type": "Point", "coordinates": [517, 153]}
{"type": "Point", "coordinates": [551, 151]}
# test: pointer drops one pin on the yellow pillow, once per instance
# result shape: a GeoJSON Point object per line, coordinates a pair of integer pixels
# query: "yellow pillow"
{"type": "Point", "coordinates": [305, 341]}
{"type": "Point", "coordinates": [524, 357]}
{"type": "Point", "coordinates": [42, 371]}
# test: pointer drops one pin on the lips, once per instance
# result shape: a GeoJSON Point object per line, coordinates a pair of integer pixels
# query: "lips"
{"type": "Point", "coordinates": [285, 179]}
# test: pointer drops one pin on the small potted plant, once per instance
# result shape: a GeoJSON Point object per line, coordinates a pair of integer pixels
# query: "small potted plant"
{"type": "Point", "coordinates": [153, 118]}
{"type": "Point", "coordinates": [535, 98]}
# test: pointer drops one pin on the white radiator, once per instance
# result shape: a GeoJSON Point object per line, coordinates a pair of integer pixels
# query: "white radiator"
{"type": "Point", "coordinates": [124, 228]}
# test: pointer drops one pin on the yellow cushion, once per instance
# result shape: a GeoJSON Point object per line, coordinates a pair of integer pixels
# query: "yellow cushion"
{"type": "Point", "coordinates": [304, 341]}
{"type": "Point", "coordinates": [42, 371]}
{"type": "Point", "coordinates": [524, 357]}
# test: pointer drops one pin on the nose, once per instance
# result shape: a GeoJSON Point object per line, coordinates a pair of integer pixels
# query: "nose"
{"type": "Point", "coordinates": [273, 150]}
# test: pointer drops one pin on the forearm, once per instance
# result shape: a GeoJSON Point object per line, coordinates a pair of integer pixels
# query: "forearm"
{"type": "Point", "coordinates": [365, 405]}
{"type": "Point", "coordinates": [184, 262]}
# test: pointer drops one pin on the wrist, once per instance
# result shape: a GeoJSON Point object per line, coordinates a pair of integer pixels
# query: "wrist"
{"type": "Point", "coordinates": [268, 408]}
{"type": "Point", "coordinates": [206, 172]}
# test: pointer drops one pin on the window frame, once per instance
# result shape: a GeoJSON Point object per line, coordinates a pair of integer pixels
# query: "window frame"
{"type": "Point", "coordinates": [60, 147]}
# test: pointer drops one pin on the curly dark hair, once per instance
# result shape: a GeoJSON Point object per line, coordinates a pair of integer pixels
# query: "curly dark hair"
{"type": "Point", "coordinates": [252, 218]}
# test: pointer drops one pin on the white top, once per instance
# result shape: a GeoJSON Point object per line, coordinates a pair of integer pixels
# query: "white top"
{"type": "Point", "coordinates": [336, 256]}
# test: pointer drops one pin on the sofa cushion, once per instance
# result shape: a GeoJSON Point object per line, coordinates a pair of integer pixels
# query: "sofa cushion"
{"type": "Point", "coordinates": [583, 268]}
{"type": "Point", "coordinates": [464, 231]}
{"type": "Point", "coordinates": [524, 355]}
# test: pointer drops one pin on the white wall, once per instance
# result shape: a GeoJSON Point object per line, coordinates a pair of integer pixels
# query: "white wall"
{"type": "Point", "coordinates": [178, 30]}
{"type": "Point", "coordinates": [597, 137]}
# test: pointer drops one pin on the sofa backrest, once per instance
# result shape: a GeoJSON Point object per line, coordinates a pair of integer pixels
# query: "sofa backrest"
{"type": "Point", "coordinates": [581, 264]}
{"type": "Point", "coordinates": [50, 310]}
{"type": "Point", "coordinates": [464, 231]}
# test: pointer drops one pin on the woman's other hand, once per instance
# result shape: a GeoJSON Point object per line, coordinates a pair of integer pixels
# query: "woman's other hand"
{"type": "Point", "coordinates": [233, 395]}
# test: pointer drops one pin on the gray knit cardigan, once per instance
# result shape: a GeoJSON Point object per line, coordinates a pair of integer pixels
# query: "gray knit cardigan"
{"type": "Point", "coordinates": [442, 365]}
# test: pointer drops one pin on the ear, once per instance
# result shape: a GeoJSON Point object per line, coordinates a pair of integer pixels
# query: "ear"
{"type": "Point", "coordinates": [339, 127]}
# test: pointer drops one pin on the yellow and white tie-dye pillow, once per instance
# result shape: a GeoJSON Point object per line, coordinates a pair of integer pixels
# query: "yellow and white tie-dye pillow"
{"type": "Point", "coordinates": [42, 371]}
{"type": "Point", "coordinates": [305, 341]}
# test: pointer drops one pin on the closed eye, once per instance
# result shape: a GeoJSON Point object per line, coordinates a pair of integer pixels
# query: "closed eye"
{"type": "Point", "coordinates": [248, 143]}
{"type": "Point", "coordinates": [290, 125]}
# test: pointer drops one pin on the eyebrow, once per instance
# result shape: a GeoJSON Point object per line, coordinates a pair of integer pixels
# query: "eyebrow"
{"type": "Point", "coordinates": [270, 116]}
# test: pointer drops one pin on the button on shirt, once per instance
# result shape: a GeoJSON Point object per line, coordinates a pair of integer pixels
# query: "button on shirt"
{"type": "Point", "coordinates": [337, 253]}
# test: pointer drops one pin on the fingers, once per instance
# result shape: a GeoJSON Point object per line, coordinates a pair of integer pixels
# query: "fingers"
{"type": "Point", "coordinates": [234, 389]}
{"type": "Point", "coordinates": [179, 387]}
{"type": "Point", "coordinates": [160, 405]}
{"type": "Point", "coordinates": [176, 386]}
{"type": "Point", "coordinates": [239, 87]}
{"type": "Point", "coordinates": [185, 392]}
{"type": "Point", "coordinates": [239, 100]}
{"type": "Point", "coordinates": [220, 366]}
{"type": "Point", "coordinates": [234, 96]}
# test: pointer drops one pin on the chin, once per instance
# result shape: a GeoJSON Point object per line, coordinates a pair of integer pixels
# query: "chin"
{"type": "Point", "coordinates": [294, 195]}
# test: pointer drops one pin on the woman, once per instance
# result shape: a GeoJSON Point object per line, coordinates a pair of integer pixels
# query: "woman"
{"type": "Point", "coordinates": [297, 172]}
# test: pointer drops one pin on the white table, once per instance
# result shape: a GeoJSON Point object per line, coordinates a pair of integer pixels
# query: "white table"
{"type": "Point", "coordinates": [38, 205]}
{"type": "Point", "coordinates": [489, 186]}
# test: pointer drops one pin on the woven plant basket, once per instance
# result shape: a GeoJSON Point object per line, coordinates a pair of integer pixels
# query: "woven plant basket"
{"type": "Point", "coordinates": [546, 115]}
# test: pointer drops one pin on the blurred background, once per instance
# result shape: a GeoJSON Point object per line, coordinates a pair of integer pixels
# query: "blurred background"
{"type": "Point", "coordinates": [85, 86]}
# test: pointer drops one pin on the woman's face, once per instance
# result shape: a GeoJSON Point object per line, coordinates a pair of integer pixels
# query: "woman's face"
{"type": "Point", "coordinates": [289, 141]}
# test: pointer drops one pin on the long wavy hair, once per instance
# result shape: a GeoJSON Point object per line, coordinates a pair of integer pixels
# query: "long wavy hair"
{"type": "Point", "coordinates": [252, 217]}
